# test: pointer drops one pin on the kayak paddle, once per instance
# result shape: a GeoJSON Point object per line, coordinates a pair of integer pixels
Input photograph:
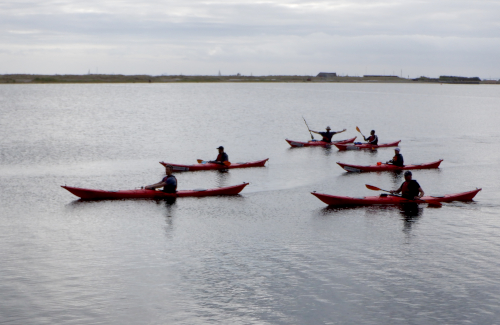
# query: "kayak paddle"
{"type": "Point", "coordinates": [357, 129]}
{"type": "Point", "coordinates": [201, 161]}
{"type": "Point", "coordinates": [374, 188]}
{"type": "Point", "coordinates": [312, 138]}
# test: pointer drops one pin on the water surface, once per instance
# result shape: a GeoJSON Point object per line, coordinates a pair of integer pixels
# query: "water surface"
{"type": "Point", "coordinates": [274, 254]}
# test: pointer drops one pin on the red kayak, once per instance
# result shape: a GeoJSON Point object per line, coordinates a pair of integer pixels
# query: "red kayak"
{"type": "Point", "coordinates": [89, 194]}
{"type": "Point", "coordinates": [392, 199]}
{"type": "Point", "coordinates": [215, 166]}
{"type": "Point", "coordinates": [318, 143]}
{"type": "Point", "coordinates": [366, 146]}
{"type": "Point", "coordinates": [387, 167]}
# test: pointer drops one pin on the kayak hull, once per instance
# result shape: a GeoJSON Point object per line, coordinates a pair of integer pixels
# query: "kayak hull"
{"type": "Point", "coordinates": [214, 166]}
{"type": "Point", "coordinates": [388, 167]}
{"type": "Point", "coordinates": [316, 143]}
{"type": "Point", "coordinates": [345, 146]}
{"type": "Point", "coordinates": [334, 200]}
{"type": "Point", "coordinates": [92, 194]}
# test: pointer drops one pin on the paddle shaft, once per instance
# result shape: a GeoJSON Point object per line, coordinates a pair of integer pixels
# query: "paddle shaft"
{"type": "Point", "coordinates": [312, 137]}
{"type": "Point", "coordinates": [357, 129]}
{"type": "Point", "coordinates": [374, 188]}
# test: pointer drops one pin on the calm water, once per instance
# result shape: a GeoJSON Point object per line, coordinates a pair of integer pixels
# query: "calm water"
{"type": "Point", "coordinates": [272, 255]}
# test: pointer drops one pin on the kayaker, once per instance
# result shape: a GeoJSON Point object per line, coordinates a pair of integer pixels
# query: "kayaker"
{"type": "Point", "coordinates": [410, 189]}
{"type": "Point", "coordinates": [372, 139]}
{"type": "Point", "coordinates": [397, 160]}
{"type": "Point", "coordinates": [221, 157]}
{"type": "Point", "coordinates": [168, 182]}
{"type": "Point", "coordinates": [327, 136]}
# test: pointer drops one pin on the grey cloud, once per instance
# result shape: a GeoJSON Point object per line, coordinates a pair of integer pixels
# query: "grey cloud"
{"type": "Point", "coordinates": [279, 33]}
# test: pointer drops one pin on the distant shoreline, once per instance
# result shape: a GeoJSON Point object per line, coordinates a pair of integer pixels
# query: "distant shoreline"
{"type": "Point", "coordinates": [107, 78]}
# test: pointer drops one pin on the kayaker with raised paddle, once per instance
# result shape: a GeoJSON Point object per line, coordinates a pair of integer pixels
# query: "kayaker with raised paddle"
{"type": "Point", "coordinates": [221, 157]}
{"type": "Point", "coordinates": [410, 189]}
{"type": "Point", "coordinates": [169, 182]}
{"type": "Point", "coordinates": [372, 139]}
{"type": "Point", "coordinates": [327, 136]}
{"type": "Point", "coordinates": [397, 160]}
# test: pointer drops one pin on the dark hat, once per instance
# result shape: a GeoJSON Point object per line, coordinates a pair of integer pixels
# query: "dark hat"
{"type": "Point", "coordinates": [221, 147]}
{"type": "Point", "coordinates": [407, 173]}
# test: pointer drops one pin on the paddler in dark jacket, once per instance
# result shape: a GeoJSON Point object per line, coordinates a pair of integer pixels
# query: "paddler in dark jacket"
{"type": "Point", "coordinates": [372, 139]}
{"type": "Point", "coordinates": [327, 136]}
{"type": "Point", "coordinates": [410, 189]}
{"type": "Point", "coordinates": [168, 182]}
{"type": "Point", "coordinates": [221, 157]}
{"type": "Point", "coordinates": [397, 160]}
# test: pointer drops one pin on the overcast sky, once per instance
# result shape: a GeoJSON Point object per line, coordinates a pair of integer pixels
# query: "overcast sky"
{"type": "Point", "coordinates": [270, 37]}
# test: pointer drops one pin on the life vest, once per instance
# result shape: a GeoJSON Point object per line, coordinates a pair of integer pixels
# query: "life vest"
{"type": "Point", "coordinates": [410, 189]}
{"type": "Point", "coordinates": [170, 188]}
{"type": "Point", "coordinates": [397, 160]}
{"type": "Point", "coordinates": [222, 157]}
{"type": "Point", "coordinates": [373, 139]}
{"type": "Point", "coordinates": [327, 136]}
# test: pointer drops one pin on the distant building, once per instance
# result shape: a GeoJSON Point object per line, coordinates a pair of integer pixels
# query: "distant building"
{"type": "Point", "coordinates": [378, 76]}
{"type": "Point", "coordinates": [327, 75]}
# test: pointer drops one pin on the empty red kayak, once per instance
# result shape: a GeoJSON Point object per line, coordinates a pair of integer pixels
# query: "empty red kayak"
{"type": "Point", "coordinates": [89, 194]}
{"type": "Point", "coordinates": [214, 166]}
{"type": "Point", "coordinates": [366, 146]}
{"type": "Point", "coordinates": [387, 167]}
{"type": "Point", "coordinates": [317, 143]}
{"type": "Point", "coordinates": [391, 199]}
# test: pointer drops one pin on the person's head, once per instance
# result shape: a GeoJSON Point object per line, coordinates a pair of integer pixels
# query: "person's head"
{"type": "Point", "coordinates": [408, 175]}
{"type": "Point", "coordinates": [221, 149]}
{"type": "Point", "coordinates": [169, 169]}
{"type": "Point", "coordinates": [328, 128]}
{"type": "Point", "coordinates": [372, 132]}
{"type": "Point", "coordinates": [397, 150]}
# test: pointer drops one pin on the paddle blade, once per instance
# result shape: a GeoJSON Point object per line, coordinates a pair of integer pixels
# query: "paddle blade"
{"type": "Point", "coordinates": [373, 188]}
{"type": "Point", "coordinates": [357, 129]}
{"type": "Point", "coordinates": [199, 161]}
{"type": "Point", "coordinates": [227, 163]}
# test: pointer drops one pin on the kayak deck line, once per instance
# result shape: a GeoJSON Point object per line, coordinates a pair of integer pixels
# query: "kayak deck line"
{"type": "Point", "coordinates": [342, 146]}
{"type": "Point", "coordinates": [388, 167]}
{"type": "Point", "coordinates": [317, 143]}
{"type": "Point", "coordinates": [96, 194]}
{"type": "Point", "coordinates": [214, 166]}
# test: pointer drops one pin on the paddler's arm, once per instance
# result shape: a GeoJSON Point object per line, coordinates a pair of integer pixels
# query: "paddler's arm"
{"type": "Point", "coordinates": [420, 192]}
{"type": "Point", "coordinates": [398, 190]}
{"type": "Point", "coordinates": [340, 131]}
{"type": "Point", "coordinates": [153, 186]}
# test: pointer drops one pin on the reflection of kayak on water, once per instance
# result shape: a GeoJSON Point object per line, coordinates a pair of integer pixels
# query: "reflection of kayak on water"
{"type": "Point", "coordinates": [388, 167]}
{"type": "Point", "coordinates": [90, 194]}
{"type": "Point", "coordinates": [392, 199]}
{"type": "Point", "coordinates": [317, 143]}
{"type": "Point", "coordinates": [215, 166]}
